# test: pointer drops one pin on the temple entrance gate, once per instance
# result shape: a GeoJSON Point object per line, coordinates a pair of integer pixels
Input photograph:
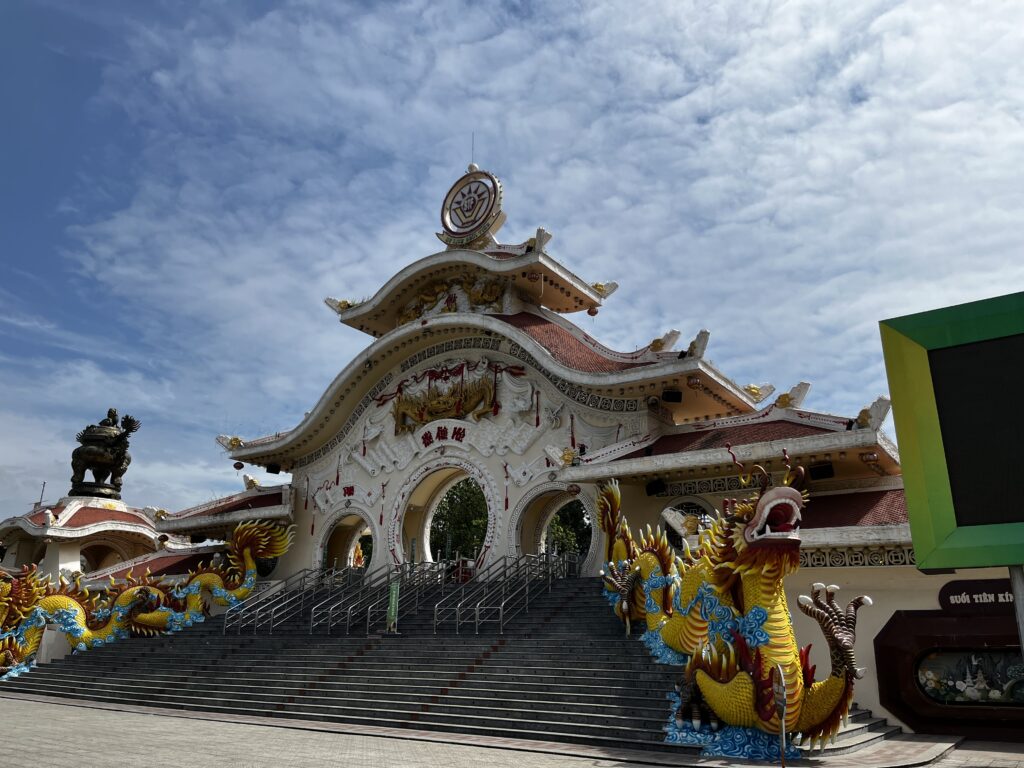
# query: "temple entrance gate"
{"type": "Point", "coordinates": [423, 491]}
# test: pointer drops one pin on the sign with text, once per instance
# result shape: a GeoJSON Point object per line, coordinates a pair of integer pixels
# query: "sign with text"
{"type": "Point", "coordinates": [979, 597]}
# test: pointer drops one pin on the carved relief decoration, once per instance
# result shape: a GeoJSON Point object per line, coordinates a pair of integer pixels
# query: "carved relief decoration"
{"type": "Point", "coordinates": [464, 294]}
{"type": "Point", "coordinates": [568, 389]}
{"type": "Point", "coordinates": [453, 390]}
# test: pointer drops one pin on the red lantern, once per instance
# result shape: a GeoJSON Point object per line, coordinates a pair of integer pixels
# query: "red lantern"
{"type": "Point", "coordinates": [238, 465]}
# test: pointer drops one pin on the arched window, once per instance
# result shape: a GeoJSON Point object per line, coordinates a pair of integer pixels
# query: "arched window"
{"type": "Point", "coordinates": [686, 517]}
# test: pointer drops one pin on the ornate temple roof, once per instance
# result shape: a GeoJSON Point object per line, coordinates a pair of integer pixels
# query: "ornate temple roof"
{"type": "Point", "coordinates": [222, 514]}
{"type": "Point", "coordinates": [865, 508]}
{"type": "Point", "coordinates": [848, 446]}
{"type": "Point", "coordinates": [510, 299]}
{"type": "Point", "coordinates": [160, 563]}
{"type": "Point", "coordinates": [535, 278]}
{"type": "Point", "coordinates": [743, 434]}
{"type": "Point", "coordinates": [79, 517]}
{"type": "Point", "coordinates": [576, 350]}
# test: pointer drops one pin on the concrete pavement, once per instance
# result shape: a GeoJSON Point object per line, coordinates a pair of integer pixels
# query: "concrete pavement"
{"type": "Point", "coordinates": [39, 731]}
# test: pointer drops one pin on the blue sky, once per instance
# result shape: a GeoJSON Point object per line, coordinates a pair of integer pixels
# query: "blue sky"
{"type": "Point", "coordinates": [183, 183]}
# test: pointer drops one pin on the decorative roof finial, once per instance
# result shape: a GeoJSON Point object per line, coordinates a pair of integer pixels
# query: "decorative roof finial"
{"type": "Point", "coordinates": [471, 213]}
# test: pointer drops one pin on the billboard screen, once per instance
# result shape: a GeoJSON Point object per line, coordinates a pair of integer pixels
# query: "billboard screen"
{"type": "Point", "coordinates": [953, 374]}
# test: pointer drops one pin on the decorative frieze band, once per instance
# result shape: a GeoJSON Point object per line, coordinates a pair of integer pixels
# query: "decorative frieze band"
{"type": "Point", "coordinates": [704, 485]}
{"type": "Point", "coordinates": [854, 557]}
{"type": "Point", "coordinates": [573, 391]}
{"type": "Point", "coordinates": [445, 347]}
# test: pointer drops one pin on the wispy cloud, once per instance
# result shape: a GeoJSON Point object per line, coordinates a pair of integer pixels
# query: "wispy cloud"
{"type": "Point", "coordinates": [784, 175]}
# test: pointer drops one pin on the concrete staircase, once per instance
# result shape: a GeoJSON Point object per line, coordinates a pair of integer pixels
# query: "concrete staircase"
{"type": "Point", "coordinates": [562, 672]}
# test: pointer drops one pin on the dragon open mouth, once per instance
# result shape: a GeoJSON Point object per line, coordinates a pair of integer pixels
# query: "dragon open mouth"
{"type": "Point", "coordinates": [777, 517]}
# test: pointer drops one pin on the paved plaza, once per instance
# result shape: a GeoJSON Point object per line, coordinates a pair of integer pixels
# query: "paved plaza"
{"type": "Point", "coordinates": [41, 732]}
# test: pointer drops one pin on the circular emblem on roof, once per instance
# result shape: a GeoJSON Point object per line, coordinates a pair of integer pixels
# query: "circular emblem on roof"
{"type": "Point", "coordinates": [471, 207]}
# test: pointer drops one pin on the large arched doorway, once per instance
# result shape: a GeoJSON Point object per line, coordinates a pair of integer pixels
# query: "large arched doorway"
{"type": "Point", "coordinates": [458, 522]}
{"type": "Point", "coordinates": [558, 519]}
{"type": "Point", "coordinates": [350, 543]}
{"type": "Point", "coordinates": [568, 531]}
{"type": "Point", "coordinates": [461, 496]}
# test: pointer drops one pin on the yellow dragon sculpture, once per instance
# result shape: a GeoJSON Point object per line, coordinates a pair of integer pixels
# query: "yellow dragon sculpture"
{"type": "Point", "coordinates": [720, 612]}
{"type": "Point", "coordinates": [140, 606]}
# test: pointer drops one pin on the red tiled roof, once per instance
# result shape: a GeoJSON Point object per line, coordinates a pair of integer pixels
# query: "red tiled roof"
{"type": "Point", "coordinates": [565, 347]}
{"type": "Point", "coordinates": [849, 509]}
{"type": "Point", "coordinates": [161, 565]}
{"type": "Point", "coordinates": [247, 502]}
{"type": "Point", "coordinates": [744, 434]}
{"type": "Point", "coordinates": [91, 515]}
{"type": "Point", "coordinates": [39, 518]}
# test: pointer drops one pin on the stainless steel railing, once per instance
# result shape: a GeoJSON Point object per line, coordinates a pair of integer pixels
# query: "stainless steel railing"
{"type": "Point", "coordinates": [447, 608]}
{"type": "Point", "coordinates": [417, 580]}
{"type": "Point", "coordinates": [515, 593]}
{"type": "Point", "coordinates": [243, 613]}
{"type": "Point", "coordinates": [321, 612]}
{"type": "Point", "coordinates": [466, 611]}
{"type": "Point", "coordinates": [329, 581]}
{"type": "Point", "coordinates": [344, 609]}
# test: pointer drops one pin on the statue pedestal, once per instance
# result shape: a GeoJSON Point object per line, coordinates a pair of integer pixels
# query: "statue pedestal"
{"type": "Point", "coordinates": [98, 490]}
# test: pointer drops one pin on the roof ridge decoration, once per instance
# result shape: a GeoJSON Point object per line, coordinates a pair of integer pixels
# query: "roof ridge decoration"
{"type": "Point", "coordinates": [471, 216]}
{"type": "Point", "coordinates": [471, 213]}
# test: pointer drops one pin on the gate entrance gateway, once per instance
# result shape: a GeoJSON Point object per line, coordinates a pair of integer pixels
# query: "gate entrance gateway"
{"type": "Point", "coordinates": [473, 369]}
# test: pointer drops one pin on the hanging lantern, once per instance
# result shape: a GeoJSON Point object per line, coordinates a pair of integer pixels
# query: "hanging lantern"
{"type": "Point", "coordinates": [238, 465]}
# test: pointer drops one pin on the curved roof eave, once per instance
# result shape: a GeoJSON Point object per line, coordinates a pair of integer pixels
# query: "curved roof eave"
{"type": "Point", "coordinates": [763, 451]}
{"type": "Point", "coordinates": [58, 532]}
{"type": "Point", "coordinates": [253, 451]}
{"type": "Point", "coordinates": [472, 258]}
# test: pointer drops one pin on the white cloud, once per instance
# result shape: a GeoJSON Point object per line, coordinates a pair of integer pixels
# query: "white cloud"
{"type": "Point", "coordinates": [785, 175]}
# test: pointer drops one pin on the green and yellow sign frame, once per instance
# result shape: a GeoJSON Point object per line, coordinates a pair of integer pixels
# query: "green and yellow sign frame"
{"type": "Point", "coordinates": [939, 542]}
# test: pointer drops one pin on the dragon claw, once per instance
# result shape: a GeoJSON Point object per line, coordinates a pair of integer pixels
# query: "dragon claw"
{"type": "Point", "coordinates": [837, 624]}
{"type": "Point", "coordinates": [691, 698]}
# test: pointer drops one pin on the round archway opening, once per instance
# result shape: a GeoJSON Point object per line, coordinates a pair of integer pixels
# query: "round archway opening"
{"type": "Point", "coordinates": [458, 524]}
{"type": "Point", "coordinates": [96, 556]}
{"type": "Point", "coordinates": [350, 544]}
{"type": "Point", "coordinates": [568, 531]}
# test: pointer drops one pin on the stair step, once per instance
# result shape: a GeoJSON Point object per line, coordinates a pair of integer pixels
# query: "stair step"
{"type": "Point", "coordinates": [564, 671]}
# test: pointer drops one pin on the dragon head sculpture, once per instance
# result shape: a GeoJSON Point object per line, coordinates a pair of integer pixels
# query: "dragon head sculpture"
{"type": "Point", "coordinates": [760, 534]}
{"type": "Point", "coordinates": [720, 610]}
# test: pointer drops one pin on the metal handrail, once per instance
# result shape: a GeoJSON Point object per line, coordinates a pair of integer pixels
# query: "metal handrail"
{"type": "Point", "coordinates": [417, 580]}
{"type": "Point", "coordinates": [536, 577]}
{"type": "Point", "coordinates": [260, 615]}
{"type": "Point", "coordinates": [267, 612]}
{"type": "Point", "coordinates": [512, 587]}
{"type": "Point", "coordinates": [343, 610]}
{"type": "Point", "coordinates": [238, 613]}
{"type": "Point", "coordinates": [321, 612]}
{"type": "Point", "coordinates": [513, 569]}
{"type": "Point", "coordinates": [296, 604]}
{"type": "Point", "coordinates": [447, 605]}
